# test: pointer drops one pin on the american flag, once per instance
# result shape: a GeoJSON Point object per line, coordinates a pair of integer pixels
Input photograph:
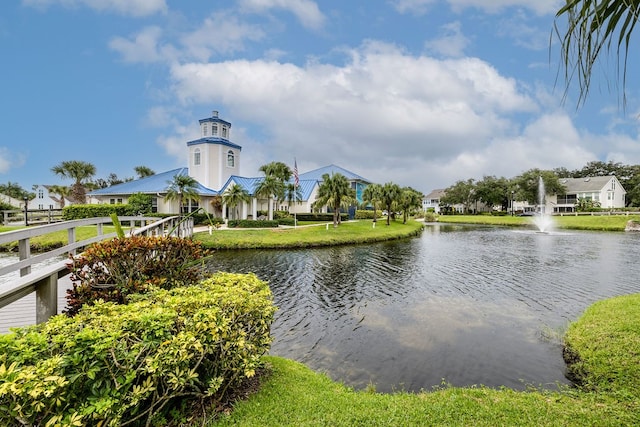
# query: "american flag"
{"type": "Point", "coordinates": [296, 178]}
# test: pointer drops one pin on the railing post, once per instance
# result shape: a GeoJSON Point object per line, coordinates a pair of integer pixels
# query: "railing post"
{"type": "Point", "coordinates": [71, 233]}
{"type": "Point", "coordinates": [24, 252]}
{"type": "Point", "coordinates": [47, 298]}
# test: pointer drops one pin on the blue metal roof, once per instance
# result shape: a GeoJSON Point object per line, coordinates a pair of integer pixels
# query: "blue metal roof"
{"type": "Point", "coordinates": [249, 184]}
{"type": "Point", "coordinates": [214, 140]}
{"type": "Point", "coordinates": [331, 170]}
{"type": "Point", "coordinates": [158, 183]}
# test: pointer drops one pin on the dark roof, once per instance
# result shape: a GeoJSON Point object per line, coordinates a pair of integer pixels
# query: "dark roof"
{"type": "Point", "coordinates": [214, 140]}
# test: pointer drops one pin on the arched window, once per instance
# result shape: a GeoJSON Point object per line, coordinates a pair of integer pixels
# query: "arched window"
{"type": "Point", "coordinates": [231, 161]}
{"type": "Point", "coordinates": [214, 129]}
{"type": "Point", "coordinates": [224, 132]}
{"type": "Point", "coordinates": [196, 157]}
{"type": "Point", "coordinates": [205, 129]}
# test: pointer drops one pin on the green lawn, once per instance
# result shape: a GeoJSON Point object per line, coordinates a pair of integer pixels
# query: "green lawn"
{"type": "Point", "coordinates": [607, 338]}
{"type": "Point", "coordinates": [582, 222]}
{"type": "Point", "coordinates": [56, 239]}
{"type": "Point", "coordinates": [312, 236]}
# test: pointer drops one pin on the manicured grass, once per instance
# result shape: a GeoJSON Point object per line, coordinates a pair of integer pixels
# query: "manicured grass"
{"type": "Point", "coordinates": [606, 338]}
{"type": "Point", "coordinates": [312, 236]}
{"type": "Point", "coordinates": [57, 239]}
{"type": "Point", "coordinates": [581, 222]}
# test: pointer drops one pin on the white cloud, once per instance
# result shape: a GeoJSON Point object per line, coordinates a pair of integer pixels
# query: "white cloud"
{"type": "Point", "coordinates": [5, 160]}
{"type": "Point", "coordinates": [380, 111]}
{"type": "Point", "coordinates": [220, 33]}
{"type": "Point", "coordinates": [306, 11]}
{"type": "Point", "coordinates": [142, 48]}
{"type": "Point", "coordinates": [123, 7]}
{"type": "Point", "coordinates": [451, 43]}
{"type": "Point", "coordinates": [416, 7]}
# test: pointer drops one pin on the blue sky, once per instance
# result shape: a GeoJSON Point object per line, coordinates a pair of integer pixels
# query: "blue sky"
{"type": "Point", "coordinates": [418, 92]}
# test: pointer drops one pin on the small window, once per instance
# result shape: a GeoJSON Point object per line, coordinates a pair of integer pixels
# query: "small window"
{"type": "Point", "coordinates": [154, 205]}
{"type": "Point", "coordinates": [205, 129]}
{"type": "Point", "coordinates": [231, 161]}
{"type": "Point", "coordinates": [40, 194]}
{"type": "Point", "coordinates": [224, 132]}
{"type": "Point", "coordinates": [196, 157]}
{"type": "Point", "coordinates": [214, 130]}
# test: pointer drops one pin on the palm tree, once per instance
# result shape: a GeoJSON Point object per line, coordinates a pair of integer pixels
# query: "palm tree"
{"type": "Point", "coordinates": [390, 197]}
{"type": "Point", "coordinates": [81, 172]}
{"type": "Point", "coordinates": [234, 196]}
{"type": "Point", "coordinates": [594, 26]}
{"type": "Point", "coordinates": [292, 194]}
{"type": "Point", "coordinates": [335, 192]}
{"type": "Point", "coordinates": [143, 171]}
{"type": "Point", "coordinates": [268, 188]}
{"type": "Point", "coordinates": [373, 194]}
{"type": "Point", "coordinates": [61, 190]}
{"type": "Point", "coordinates": [183, 188]}
{"type": "Point", "coordinates": [409, 199]}
{"type": "Point", "coordinates": [281, 173]}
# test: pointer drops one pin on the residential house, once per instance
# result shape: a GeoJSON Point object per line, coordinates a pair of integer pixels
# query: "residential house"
{"type": "Point", "coordinates": [606, 190]}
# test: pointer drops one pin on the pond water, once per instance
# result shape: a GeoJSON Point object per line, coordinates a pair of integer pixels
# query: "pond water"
{"type": "Point", "coordinates": [462, 305]}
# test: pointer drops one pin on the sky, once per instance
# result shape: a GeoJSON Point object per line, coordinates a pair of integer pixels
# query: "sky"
{"type": "Point", "coordinates": [422, 93]}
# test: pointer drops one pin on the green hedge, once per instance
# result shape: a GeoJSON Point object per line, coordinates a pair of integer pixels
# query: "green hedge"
{"type": "Point", "coordinates": [114, 363]}
{"type": "Point", "coordinates": [248, 223]}
{"type": "Point", "coordinates": [93, 211]}
{"type": "Point", "coordinates": [367, 214]}
{"type": "Point", "coordinates": [320, 217]}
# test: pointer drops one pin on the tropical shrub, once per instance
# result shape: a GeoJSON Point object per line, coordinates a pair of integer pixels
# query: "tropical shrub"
{"type": "Point", "coordinates": [139, 204]}
{"type": "Point", "coordinates": [114, 269]}
{"type": "Point", "coordinates": [116, 365]}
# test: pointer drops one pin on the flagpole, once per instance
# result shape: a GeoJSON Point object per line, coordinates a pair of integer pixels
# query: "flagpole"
{"type": "Point", "coordinates": [296, 182]}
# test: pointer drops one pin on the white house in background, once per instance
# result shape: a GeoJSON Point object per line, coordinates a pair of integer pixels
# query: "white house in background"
{"type": "Point", "coordinates": [432, 200]}
{"type": "Point", "coordinates": [11, 201]}
{"type": "Point", "coordinates": [45, 200]}
{"type": "Point", "coordinates": [214, 162]}
{"type": "Point", "coordinates": [606, 190]}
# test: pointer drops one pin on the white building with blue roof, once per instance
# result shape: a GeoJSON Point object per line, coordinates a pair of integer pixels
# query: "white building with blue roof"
{"type": "Point", "coordinates": [214, 162]}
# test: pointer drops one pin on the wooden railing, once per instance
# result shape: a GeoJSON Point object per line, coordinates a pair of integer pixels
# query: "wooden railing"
{"type": "Point", "coordinates": [31, 216]}
{"type": "Point", "coordinates": [44, 281]}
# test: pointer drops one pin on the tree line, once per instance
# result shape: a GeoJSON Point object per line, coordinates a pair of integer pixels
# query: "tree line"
{"type": "Point", "coordinates": [499, 192]}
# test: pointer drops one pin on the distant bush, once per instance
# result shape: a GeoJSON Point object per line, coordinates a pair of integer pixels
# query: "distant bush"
{"type": "Point", "coordinates": [114, 269]}
{"type": "Point", "coordinates": [320, 217]}
{"type": "Point", "coordinates": [249, 223]}
{"type": "Point", "coordinates": [366, 214]}
{"type": "Point", "coordinates": [430, 216]}
{"type": "Point", "coordinates": [287, 221]}
{"type": "Point", "coordinates": [112, 365]}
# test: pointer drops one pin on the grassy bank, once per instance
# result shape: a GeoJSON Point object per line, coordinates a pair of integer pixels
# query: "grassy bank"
{"type": "Point", "coordinates": [606, 340]}
{"type": "Point", "coordinates": [582, 222]}
{"type": "Point", "coordinates": [312, 236]}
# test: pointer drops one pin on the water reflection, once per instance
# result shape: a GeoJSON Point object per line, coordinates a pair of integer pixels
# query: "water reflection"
{"type": "Point", "coordinates": [464, 304]}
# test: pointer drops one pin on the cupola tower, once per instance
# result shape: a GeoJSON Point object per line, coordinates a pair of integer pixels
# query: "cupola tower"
{"type": "Point", "coordinates": [213, 158]}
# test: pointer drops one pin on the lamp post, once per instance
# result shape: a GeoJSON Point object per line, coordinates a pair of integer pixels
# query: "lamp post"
{"type": "Point", "coordinates": [26, 211]}
{"type": "Point", "coordinates": [512, 203]}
